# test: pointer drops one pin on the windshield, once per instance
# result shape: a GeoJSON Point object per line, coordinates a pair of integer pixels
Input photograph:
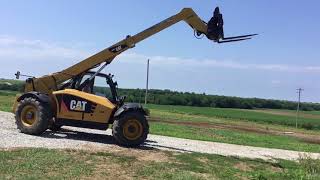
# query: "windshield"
{"type": "Point", "coordinates": [102, 88]}
{"type": "Point", "coordinates": [100, 85]}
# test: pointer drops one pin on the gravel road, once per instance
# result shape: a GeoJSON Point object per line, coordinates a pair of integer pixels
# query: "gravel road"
{"type": "Point", "coordinates": [87, 139]}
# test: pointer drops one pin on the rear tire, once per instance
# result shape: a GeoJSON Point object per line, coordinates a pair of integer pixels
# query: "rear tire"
{"type": "Point", "coordinates": [130, 129]}
{"type": "Point", "coordinates": [32, 116]}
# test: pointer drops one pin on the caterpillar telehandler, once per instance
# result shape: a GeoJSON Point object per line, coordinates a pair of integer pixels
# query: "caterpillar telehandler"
{"type": "Point", "coordinates": [72, 97]}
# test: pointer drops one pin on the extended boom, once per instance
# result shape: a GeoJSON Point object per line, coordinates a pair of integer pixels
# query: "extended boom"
{"type": "Point", "coordinates": [49, 83]}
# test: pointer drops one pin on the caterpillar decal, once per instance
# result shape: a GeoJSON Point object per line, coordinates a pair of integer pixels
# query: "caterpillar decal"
{"type": "Point", "coordinates": [74, 103]}
{"type": "Point", "coordinates": [118, 48]}
{"type": "Point", "coordinates": [78, 105]}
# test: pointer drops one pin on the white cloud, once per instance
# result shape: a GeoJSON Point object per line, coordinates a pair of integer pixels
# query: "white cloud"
{"type": "Point", "coordinates": [12, 48]}
{"type": "Point", "coordinates": [211, 63]}
{"type": "Point", "coordinates": [275, 82]}
{"type": "Point", "coordinates": [15, 48]}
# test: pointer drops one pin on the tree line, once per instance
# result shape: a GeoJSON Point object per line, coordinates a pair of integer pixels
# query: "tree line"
{"type": "Point", "coordinates": [11, 87]}
{"type": "Point", "coordinates": [168, 97]}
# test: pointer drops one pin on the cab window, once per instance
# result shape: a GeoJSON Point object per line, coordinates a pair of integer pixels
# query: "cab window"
{"type": "Point", "coordinates": [101, 87]}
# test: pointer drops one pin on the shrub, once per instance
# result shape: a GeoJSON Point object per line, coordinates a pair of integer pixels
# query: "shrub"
{"type": "Point", "coordinates": [307, 126]}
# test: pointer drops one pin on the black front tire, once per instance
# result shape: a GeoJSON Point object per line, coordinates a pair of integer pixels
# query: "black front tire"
{"type": "Point", "coordinates": [120, 126]}
{"type": "Point", "coordinates": [35, 119]}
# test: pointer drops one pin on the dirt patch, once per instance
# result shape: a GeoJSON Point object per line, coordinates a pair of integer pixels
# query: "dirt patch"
{"type": "Point", "coordinates": [156, 157]}
{"type": "Point", "coordinates": [284, 113]}
{"type": "Point", "coordinates": [202, 175]}
{"type": "Point", "coordinates": [239, 176]}
{"type": "Point", "coordinates": [243, 166]}
{"type": "Point", "coordinates": [314, 139]}
{"type": "Point", "coordinates": [203, 160]}
{"type": "Point", "coordinates": [141, 155]}
{"type": "Point", "coordinates": [121, 162]}
{"type": "Point", "coordinates": [276, 169]}
{"type": "Point", "coordinates": [103, 171]}
{"type": "Point", "coordinates": [210, 125]}
{"type": "Point", "coordinates": [104, 166]}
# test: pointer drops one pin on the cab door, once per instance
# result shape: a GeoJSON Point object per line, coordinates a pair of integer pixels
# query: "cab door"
{"type": "Point", "coordinates": [101, 90]}
{"type": "Point", "coordinates": [87, 104]}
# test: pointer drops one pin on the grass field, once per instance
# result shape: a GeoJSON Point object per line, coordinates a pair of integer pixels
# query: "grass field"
{"type": "Point", "coordinates": [11, 81]}
{"type": "Point", "coordinates": [233, 137]}
{"type": "Point", "coordinates": [241, 115]}
{"type": "Point", "coordinates": [217, 117]}
{"type": "Point", "coordinates": [313, 112]}
{"type": "Point", "coordinates": [70, 164]}
{"type": "Point", "coordinates": [211, 124]}
{"type": "Point", "coordinates": [6, 100]}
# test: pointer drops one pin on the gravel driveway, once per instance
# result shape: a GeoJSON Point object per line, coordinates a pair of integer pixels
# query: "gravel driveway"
{"type": "Point", "coordinates": [87, 139]}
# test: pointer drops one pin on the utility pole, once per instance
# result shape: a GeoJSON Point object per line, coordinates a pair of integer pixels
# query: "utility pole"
{"type": "Point", "coordinates": [298, 106]}
{"type": "Point", "coordinates": [147, 83]}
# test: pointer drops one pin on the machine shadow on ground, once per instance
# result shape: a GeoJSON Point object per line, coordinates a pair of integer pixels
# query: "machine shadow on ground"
{"type": "Point", "coordinates": [78, 135]}
{"type": "Point", "coordinates": [102, 138]}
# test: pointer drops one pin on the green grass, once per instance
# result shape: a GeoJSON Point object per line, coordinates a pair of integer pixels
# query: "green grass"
{"type": "Point", "coordinates": [238, 114]}
{"type": "Point", "coordinates": [226, 135]}
{"type": "Point", "coordinates": [12, 81]}
{"type": "Point", "coordinates": [41, 164]}
{"type": "Point", "coordinates": [71, 164]}
{"type": "Point", "coordinates": [233, 137]}
{"type": "Point", "coordinates": [6, 100]}
{"type": "Point", "coordinates": [185, 117]}
{"type": "Point", "coordinates": [313, 112]}
{"type": "Point", "coordinates": [204, 166]}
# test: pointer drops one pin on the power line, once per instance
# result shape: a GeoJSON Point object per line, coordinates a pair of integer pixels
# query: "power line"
{"type": "Point", "coordinates": [298, 106]}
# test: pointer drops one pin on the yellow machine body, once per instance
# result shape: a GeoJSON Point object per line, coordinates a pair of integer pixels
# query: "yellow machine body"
{"type": "Point", "coordinates": [81, 106]}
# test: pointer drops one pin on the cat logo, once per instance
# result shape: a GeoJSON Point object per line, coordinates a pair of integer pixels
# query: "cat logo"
{"type": "Point", "coordinates": [118, 48]}
{"type": "Point", "coordinates": [78, 105]}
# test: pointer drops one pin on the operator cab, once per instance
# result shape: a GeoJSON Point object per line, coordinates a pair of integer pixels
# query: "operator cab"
{"type": "Point", "coordinates": [100, 85]}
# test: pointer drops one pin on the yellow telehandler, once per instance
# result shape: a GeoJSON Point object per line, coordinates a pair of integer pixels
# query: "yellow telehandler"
{"type": "Point", "coordinates": [71, 97]}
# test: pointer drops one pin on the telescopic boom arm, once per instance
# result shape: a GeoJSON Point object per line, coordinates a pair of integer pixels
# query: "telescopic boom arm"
{"type": "Point", "coordinates": [49, 83]}
{"type": "Point", "coordinates": [108, 54]}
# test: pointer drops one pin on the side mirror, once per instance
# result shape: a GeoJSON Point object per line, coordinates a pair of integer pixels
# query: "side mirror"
{"type": "Point", "coordinates": [17, 75]}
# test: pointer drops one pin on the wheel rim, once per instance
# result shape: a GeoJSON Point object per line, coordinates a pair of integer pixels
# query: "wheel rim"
{"type": "Point", "coordinates": [132, 129]}
{"type": "Point", "coordinates": [29, 115]}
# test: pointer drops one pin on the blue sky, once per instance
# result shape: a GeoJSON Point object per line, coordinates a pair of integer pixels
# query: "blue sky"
{"type": "Point", "coordinates": [41, 37]}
